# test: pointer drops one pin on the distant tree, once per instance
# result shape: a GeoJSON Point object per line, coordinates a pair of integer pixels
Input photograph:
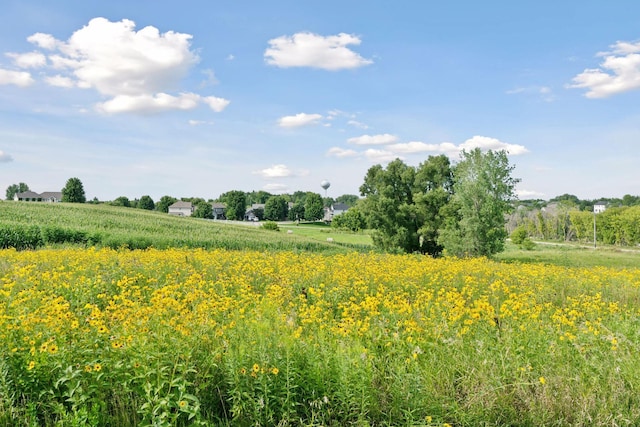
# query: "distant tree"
{"type": "Point", "coordinates": [73, 191]}
{"type": "Point", "coordinates": [259, 213]}
{"type": "Point", "coordinates": [13, 189]}
{"type": "Point", "coordinates": [164, 203]}
{"type": "Point", "coordinates": [146, 202]}
{"type": "Point", "coordinates": [258, 197]}
{"type": "Point", "coordinates": [203, 210]}
{"type": "Point", "coordinates": [348, 199]}
{"type": "Point", "coordinates": [296, 212]}
{"type": "Point", "coordinates": [352, 220]}
{"type": "Point", "coordinates": [483, 192]}
{"type": "Point", "coordinates": [299, 197]}
{"type": "Point", "coordinates": [236, 204]}
{"type": "Point", "coordinates": [276, 208]}
{"type": "Point", "coordinates": [121, 201]}
{"type": "Point", "coordinates": [313, 207]}
{"type": "Point", "coordinates": [328, 201]}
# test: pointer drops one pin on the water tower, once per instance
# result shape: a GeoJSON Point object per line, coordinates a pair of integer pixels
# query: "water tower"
{"type": "Point", "coordinates": [325, 184]}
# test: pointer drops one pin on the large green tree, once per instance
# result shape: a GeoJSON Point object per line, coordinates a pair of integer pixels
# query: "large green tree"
{"type": "Point", "coordinates": [203, 210]}
{"type": "Point", "coordinates": [403, 204]}
{"type": "Point", "coordinates": [13, 189]}
{"type": "Point", "coordinates": [146, 202]}
{"type": "Point", "coordinates": [73, 191]}
{"type": "Point", "coordinates": [236, 204]}
{"type": "Point", "coordinates": [276, 208]}
{"type": "Point", "coordinates": [348, 199]}
{"type": "Point", "coordinates": [313, 207]}
{"type": "Point", "coordinates": [164, 203]}
{"type": "Point", "coordinates": [483, 193]}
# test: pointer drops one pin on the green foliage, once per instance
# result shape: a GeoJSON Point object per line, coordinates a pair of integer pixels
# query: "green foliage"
{"type": "Point", "coordinates": [348, 199]}
{"type": "Point", "coordinates": [258, 197]}
{"type": "Point", "coordinates": [164, 203]}
{"type": "Point", "coordinates": [483, 191]}
{"type": "Point", "coordinates": [276, 209]}
{"type": "Point", "coordinates": [121, 201]}
{"type": "Point", "coordinates": [146, 202]}
{"type": "Point", "coordinates": [313, 207]}
{"type": "Point", "coordinates": [236, 204]}
{"type": "Point", "coordinates": [518, 235]}
{"type": "Point", "coordinates": [296, 212]}
{"type": "Point", "coordinates": [527, 244]}
{"type": "Point", "coordinates": [352, 220]}
{"type": "Point", "coordinates": [271, 225]}
{"type": "Point", "coordinates": [16, 188]}
{"type": "Point", "coordinates": [259, 213]}
{"type": "Point", "coordinates": [73, 191]}
{"type": "Point", "coordinates": [20, 237]}
{"type": "Point", "coordinates": [403, 204]}
{"type": "Point", "coordinates": [203, 210]}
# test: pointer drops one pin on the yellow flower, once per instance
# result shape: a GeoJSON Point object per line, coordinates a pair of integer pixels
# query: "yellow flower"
{"type": "Point", "coordinates": [275, 370]}
{"type": "Point", "coordinates": [53, 348]}
{"type": "Point", "coordinates": [256, 368]}
{"type": "Point", "coordinates": [32, 365]}
{"type": "Point", "coordinates": [542, 380]}
{"type": "Point", "coordinates": [97, 367]}
{"type": "Point", "coordinates": [182, 404]}
{"type": "Point", "coordinates": [88, 368]}
{"type": "Point", "coordinates": [243, 371]}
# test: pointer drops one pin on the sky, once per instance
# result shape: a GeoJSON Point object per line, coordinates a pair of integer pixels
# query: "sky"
{"type": "Point", "coordinates": [197, 98]}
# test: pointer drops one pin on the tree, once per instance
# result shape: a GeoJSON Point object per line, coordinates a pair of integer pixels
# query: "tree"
{"type": "Point", "coordinates": [203, 210]}
{"type": "Point", "coordinates": [146, 202]}
{"type": "Point", "coordinates": [13, 189]}
{"type": "Point", "coordinates": [483, 192]}
{"type": "Point", "coordinates": [236, 204]}
{"type": "Point", "coordinates": [164, 203]}
{"type": "Point", "coordinates": [348, 199]}
{"type": "Point", "coordinates": [276, 209]}
{"type": "Point", "coordinates": [313, 207]}
{"type": "Point", "coordinates": [73, 191]}
{"type": "Point", "coordinates": [121, 201]}
{"type": "Point", "coordinates": [352, 220]}
{"type": "Point", "coordinates": [296, 213]}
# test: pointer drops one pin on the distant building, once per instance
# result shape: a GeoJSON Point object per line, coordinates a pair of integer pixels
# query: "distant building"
{"type": "Point", "coordinates": [219, 210]}
{"type": "Point", "coordinates": [599, 207]}
{"type": "Point", "coordinates": [30, 196]}
{"type": "Point", "coordinates": [181, 209]}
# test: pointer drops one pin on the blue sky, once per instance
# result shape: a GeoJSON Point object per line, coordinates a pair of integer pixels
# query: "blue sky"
{"type": "Point", "coordinates": [197, 98]}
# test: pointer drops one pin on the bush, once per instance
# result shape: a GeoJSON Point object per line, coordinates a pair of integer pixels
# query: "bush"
{"type": "Point", "coordinates": [20, 237]}
{"type": "Point", "coordinates": [519, 235]}
{"type": "Point", "coordinates": [271, 225]}
{"type": "Point", "coordinates": [527, 244]}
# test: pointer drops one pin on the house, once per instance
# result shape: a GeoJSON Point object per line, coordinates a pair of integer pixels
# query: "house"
{"type": "Point", "coordinates": [51, 196]}
{"type": "Point", "coordinates": [599, 207]}
{"type": "Point", "coordinates": [338, 208]}
{"type": "Point", "coordinates": [219, 210]}
{"type": "Point", "coordinates": [27, 196]}
{"type": "Point", "coordinates": [250, 214]}
{"type": "Point", "coordinates": [181, 209]}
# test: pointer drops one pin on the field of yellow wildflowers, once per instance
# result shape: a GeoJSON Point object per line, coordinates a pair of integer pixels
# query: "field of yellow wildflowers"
{"type": "Point", "coordinates": [193, 337]}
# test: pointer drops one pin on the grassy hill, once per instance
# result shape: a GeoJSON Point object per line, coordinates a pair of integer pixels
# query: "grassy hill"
{"type": "Point", "coordinates": [31, 225]}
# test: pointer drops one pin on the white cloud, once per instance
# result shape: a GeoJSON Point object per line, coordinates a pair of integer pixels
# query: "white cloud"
{"type": "Point", "coordinates": [276, 188]}
{"type": "Point", "coordinates": [18, 78]}
{"type": "Point", "coordinates": [341, 152]}
{"type": "Point", "coordinates": [301, 119]}
{"type": "Point", "coordinates": [618, 73]}
{"type": "Point", "coordinates": [414, 147]}
{"type": "Point", "coordinates": [45, 41]}
{"type": "Point", "coordinates": [382, 156]}
{"type": "Point", "coordinates": [487, 143]}
{"type": "Point", "coordinates": [137, 70]}
{"type": "Point", "coordinates": [148, 104]}
{"type": "Point", "coordinates": [544, 92]}
{"type": "Point", "coordinates": [373, 139]}
{"type": "Point", "coordinates": [230, 57]}
{"type": "Point", "coordinates": [28, 60]}
{"type": "Point", "coordinates": [275, 171]}
{"type": "Point", "coordinates": [313, 50]}
{"type": "Point", "coordinates": [60, 81]}
{"type": "Point", "coordinates": [357, 124]}
{"type": "Point", "coordinates": [199, 122]}
{"type": "Point", "coordinates": [5, 158]}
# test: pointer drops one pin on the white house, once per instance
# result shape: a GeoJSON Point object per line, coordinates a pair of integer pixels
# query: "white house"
{"type": "Point", "coordinates": [47, 196]}
{"type": "Point", "coordinates": [181, 209]}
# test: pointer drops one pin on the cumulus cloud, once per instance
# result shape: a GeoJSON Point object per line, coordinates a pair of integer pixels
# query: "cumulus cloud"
{"type": "Point", "coordinates": [618, 73]}
{"type": "Point", "coordinates": [28, 60]}
{"type": "Point", "coordinates": [341, 152]}
{"type": "Point", "coordinates": [301, 119]}
{"type": "Point", "coordinates": [452, 150]}
{"type": "Point", "coordinates": [135, 70]}
{"type": "Point", "coordinates": [357, 124]}
{"type": "Point", "coordinates": [487, 143]}
{"type": "Point", "coordinates": [276, 188]}
{"type": "Point", "coordinates": [529, 194]}
{"type": "Point", "coordinates": [312, 50]}
{"type": "Point", "coordinates": [18, 78]}
{"type": "Point", "coordinates": [275, 171]}
{"type": "Point", "coordinates": [373, 139]}
{"type": "Point", "coordinates": [381, 156]}
{"type": "Point", "coordinates": [4, 157]}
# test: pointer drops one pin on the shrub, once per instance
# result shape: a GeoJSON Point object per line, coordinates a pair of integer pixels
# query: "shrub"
{"type": "Point", "coordinates": [519, 235]}
{"type": "Point", "coordinates": [271, 225]}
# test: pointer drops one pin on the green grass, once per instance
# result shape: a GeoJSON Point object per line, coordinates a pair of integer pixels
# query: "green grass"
{"type": "Point", "coordinates": [112, 226]}
{"type": "Point", "coordinates": [322, 232]}
{"type": "Point", "coordinates": [571, 255]}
